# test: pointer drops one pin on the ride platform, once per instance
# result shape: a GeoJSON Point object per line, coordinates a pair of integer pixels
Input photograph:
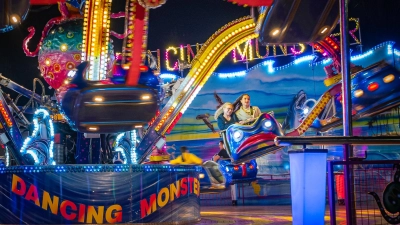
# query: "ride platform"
{"type": "Point", "coordinates": [97, 194]}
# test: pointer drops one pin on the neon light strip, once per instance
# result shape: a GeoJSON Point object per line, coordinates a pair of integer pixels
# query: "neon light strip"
{"type": "Point", "coordinates": [307, 58]}
{"type": "Point", "coordinates": [46, 117]}
{"type": "Point", "coordinates": [396, 52]}
{"type": "Point", "coordinates": [119, 149]}
{"type": "Point", "coordinates": [7, 157]}
{"type": "Point", "coordinates": [133, 149]}
{"type": "Point", "coordinates": [168, 76]}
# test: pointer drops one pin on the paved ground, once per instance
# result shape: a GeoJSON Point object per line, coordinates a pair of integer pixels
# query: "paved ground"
{"type": "Point", "coordinates": [277, 215]}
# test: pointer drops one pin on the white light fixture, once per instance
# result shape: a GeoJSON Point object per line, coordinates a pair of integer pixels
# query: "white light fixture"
{"type": "Point", "coordinates": [71, 73]}
{"type": "Point", "coordinates": [358, 93]}
{"type": "Point", "coordinates": [267, 123]}
{"type": "Point", "coordinates": [275, 32]}
{"type": "Point", "coordinates": [146, 97]}
{"type": "Point", "coordinates": [98, 99]}
{"type": "Point", "coordinates": [306, 111]}
{"type": "Point", "coordinates": [323, 29]}
{"type": "Point", "coordinates": [14, 18]}
{"type": "Point", "coordinates": [389, 78]}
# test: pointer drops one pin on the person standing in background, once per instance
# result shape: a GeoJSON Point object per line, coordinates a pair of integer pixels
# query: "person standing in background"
{"type": "Point", "coordinates": [186, 158]}
{"type": "Point", "coordinates": [222, 154]}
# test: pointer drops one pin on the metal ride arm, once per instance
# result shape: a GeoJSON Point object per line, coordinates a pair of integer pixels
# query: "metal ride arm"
{"type": "Point", "coordinates": [203, 65]}
{"type": "Point", "coordinates": [9, 132]}
{"type": "Point", "coordinates": [17, 111]}
{"type": "Point", "coordinates": [316, 110]}
{"type": "Point", "coordinates": [337, 140]}
{"type": "Point", "coordinates": [6, 82]}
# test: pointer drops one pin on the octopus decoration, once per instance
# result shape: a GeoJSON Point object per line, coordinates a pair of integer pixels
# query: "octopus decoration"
{"type": "Point", "coordinates": [391, 198]}
{"type": "Point", "coordinates": [59, 48]}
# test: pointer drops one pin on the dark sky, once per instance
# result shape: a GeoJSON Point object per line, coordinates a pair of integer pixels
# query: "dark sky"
{"type": "Point", "coordinates": [189, 21]}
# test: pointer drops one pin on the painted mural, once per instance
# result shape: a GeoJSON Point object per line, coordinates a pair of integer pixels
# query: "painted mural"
{"type": "Point", "coordinates": [274, 89]}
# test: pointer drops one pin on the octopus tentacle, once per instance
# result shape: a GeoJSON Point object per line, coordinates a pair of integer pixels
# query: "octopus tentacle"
{"type": "Point", "coordinates": [46, 29]}
{"type": "Point", "coordinates": [119, 36]}
{"type": "Point", "coordinates": [62, 7]}
{"type": "Point", "coordinates": [117, 15]}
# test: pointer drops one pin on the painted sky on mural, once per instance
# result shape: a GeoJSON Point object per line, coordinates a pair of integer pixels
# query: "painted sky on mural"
{"type": "Point", "coordinates": [188, 22]}
{"type": "Point", "coordinates": [271, 91]}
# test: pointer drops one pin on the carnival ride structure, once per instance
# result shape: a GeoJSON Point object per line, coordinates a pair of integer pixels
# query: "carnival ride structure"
{"type": "Point", "coordinates": [244, 142]}
{"type": "Point", "coordinates": [107, 98]}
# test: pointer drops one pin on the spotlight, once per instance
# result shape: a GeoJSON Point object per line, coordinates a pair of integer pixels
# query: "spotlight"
{"type": "Point", "coordinates": [14, 19]}
{"type": "Point", "coordinates": [98, 99]}
{"type": "Point", "coordinates": [323, 30]}
{"type": "Point", "coordinates": [275, 32]}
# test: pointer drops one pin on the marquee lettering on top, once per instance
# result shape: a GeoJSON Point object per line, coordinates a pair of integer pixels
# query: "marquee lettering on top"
{"type": "Point", "coordinates": [247, 51]}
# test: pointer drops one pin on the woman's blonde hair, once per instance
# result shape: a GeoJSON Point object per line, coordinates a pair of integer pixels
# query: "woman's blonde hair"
{"type": "Point", "coordinates": [220, 110]}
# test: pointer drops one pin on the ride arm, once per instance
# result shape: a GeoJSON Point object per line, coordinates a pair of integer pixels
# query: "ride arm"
{"type": "Point", "coordinates": [204, 64]}
{"type": "Point", "coordinates": [6, 82]}
{"type": "Point", "coordinates": [9, 132]}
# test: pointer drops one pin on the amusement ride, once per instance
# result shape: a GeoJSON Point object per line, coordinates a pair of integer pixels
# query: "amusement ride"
{"type": "Point", "coordinates": [102, 95]}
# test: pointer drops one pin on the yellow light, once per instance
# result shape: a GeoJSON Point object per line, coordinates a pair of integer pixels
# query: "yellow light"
{"type": "Point", "coordinates": [201, 175]}
{"type": "Point", "coordinates": [98, 99]}
{"type": "Point", "coordinates": [358, 93]}
{"type": "Point", "coordinates": [275, 32]}
{"type": "Point", "coordinates": [389, 78]}
{"type": "Point", "coordinates": [324, 30]}
{"type": "Point", "coordinates": [14, 19]}
{"type": "Point", "coordinates": [359, 107]}
{"type": "Point", "coordinates": [138, 126]}
{"type": "Point", "coordinates": [146, 97]}
{"type": "Point", "coordinates": [93, 128]}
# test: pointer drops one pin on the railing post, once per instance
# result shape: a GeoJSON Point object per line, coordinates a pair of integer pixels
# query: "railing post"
{"type": "Point", "coordinates": [331, 193]}
{"type": "Point", "coordinates": [346, 103]}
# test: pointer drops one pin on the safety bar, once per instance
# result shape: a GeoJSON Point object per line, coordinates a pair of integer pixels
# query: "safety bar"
{"type": "Point", "coordinates": [337, 140]}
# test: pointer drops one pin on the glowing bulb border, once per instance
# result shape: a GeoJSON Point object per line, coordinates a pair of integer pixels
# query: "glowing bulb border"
{"type": "Point", "coordinates": [119, 149]}
{"type": "Point", "coordinates": [49, 125]}
{"type": "Point", "coordinates": [133, 149]}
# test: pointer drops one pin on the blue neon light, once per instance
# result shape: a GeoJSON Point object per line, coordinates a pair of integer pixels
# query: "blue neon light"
{"type": "Point", "coordinates": [234, 74]}
{"type": "Point", "coordinates": [303, 59]}
{"type": "Point", "coordinates": [361, 56]}
{"type": "Point", "coordinates": [45, 116]}
{"type": "Point", "coordinates": [7, 157]}
{"type": "Point", "coordinates": [168, 76]}
{"type": "Point", "coordinates": [308, 58]}
{"type": "Point", "coordinates": [396, 52]}
{"type": "Point", "coordinates": [133, 149]}
{"type": "Point", "coordinates": [119, 149]}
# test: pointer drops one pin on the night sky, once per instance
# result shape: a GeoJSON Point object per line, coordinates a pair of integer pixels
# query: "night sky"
{"type": "Point", "coordinates": [188, 22]}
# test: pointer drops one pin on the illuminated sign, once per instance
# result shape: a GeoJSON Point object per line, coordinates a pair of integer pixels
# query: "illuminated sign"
{"type": "Point", "coordinates": [68, 209]}
{"type": "Point", "coordinates": [175, 57]}
{"type": "Point", "coordinates": [168, 194]}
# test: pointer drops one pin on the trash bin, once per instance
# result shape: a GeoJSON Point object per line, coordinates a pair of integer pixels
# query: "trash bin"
{"type": "Point", "coordinates": [308, 185]}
